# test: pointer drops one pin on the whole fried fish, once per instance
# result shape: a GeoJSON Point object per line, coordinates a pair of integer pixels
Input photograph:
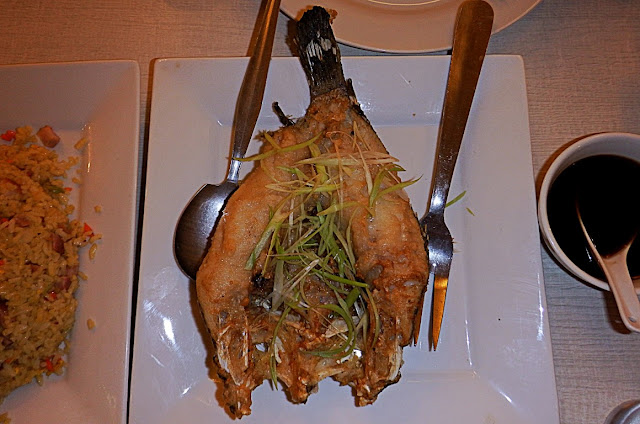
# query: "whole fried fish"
{"type": "Point", "coordinates": [317, 267]}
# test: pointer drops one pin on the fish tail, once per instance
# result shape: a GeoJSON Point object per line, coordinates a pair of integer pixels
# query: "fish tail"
{"type": "Point", "coordinates": [319, 52]}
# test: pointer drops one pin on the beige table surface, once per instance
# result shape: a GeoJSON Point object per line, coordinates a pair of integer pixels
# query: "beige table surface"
{"type": "Point", "coordinates": [582, 60]}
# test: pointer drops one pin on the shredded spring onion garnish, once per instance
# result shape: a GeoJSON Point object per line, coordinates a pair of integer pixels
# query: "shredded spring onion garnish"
{"type": "Point", "coordinates": [306, 249]}
{"type": "Point", "coordinates": [455, 199]}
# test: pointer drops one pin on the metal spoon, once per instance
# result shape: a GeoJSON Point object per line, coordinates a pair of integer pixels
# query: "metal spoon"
{"type": "Point", "coordinates": [198, 218]}
{"type": "Point", "coordinates": [615, 268]}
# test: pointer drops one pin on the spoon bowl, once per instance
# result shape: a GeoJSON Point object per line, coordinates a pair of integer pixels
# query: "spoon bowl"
{"type": "Point", "coordinates": [196, 223]}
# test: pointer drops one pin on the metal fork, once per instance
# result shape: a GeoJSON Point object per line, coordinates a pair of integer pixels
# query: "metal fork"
{"type": "Point", "coordinates": [470, 40]}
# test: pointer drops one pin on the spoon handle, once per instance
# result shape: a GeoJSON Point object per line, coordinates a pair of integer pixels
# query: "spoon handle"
{"type": "Point", "coordinates": [617, 273]}
{"type": "Point", "coordinates": [252, 89]}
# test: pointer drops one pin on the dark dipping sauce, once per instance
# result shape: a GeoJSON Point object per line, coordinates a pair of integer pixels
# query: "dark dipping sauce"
{"type": "Point", "coordinates": [607, 188]}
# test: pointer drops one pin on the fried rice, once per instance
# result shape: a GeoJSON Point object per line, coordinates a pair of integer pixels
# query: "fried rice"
{"type": "Point", "coordinates": [39, 261]}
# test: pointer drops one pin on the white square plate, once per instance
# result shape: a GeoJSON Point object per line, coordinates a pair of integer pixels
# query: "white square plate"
{"type": "Point", "coordinates": [100, 100]}
{"type": "Point", "coordinates": [493, 363]}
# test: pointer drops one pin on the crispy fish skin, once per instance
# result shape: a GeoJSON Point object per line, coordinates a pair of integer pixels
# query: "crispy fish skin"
{"type": "Point", "coordinates": [223, 284]}
{"type": "Point", "coordinates": [387, 243]}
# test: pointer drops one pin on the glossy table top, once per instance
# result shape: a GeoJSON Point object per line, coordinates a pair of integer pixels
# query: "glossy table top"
{"type": "Point", "coordinates": [582, 64]}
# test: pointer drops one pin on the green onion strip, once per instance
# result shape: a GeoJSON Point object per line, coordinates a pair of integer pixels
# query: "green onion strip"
{"type": "Point", "coordinates": [305, 241]}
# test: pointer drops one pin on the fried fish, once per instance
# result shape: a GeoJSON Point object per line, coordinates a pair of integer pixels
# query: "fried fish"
{"type": "Point", "coordinates": [317, 266]}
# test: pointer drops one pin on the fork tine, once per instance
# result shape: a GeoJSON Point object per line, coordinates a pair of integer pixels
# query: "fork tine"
{"type": "Point", "coordinates": [440, 251]}
{"type": "Point", "coordinates": [440, 283]}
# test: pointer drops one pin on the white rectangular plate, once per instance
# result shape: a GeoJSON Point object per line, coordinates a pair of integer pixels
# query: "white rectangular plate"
{"type": "Point", "coordinates": [100, 100]}
{"type": "Point", "coordinates": [494, 362]}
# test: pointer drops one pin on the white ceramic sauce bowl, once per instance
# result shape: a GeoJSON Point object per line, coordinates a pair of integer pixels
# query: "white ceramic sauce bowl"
{"type": "Point", "coordinates": [607, 143]}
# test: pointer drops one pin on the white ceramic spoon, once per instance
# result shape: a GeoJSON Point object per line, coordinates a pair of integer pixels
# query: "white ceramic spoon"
{"type": "Point", "coordinates": [616, 270]}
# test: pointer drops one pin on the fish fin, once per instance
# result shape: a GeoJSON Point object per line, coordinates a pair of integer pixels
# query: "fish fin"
{"type": "Point", "coordinates": [284, 119]}
{"type": "Point", "coordinates": [319, 52]}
